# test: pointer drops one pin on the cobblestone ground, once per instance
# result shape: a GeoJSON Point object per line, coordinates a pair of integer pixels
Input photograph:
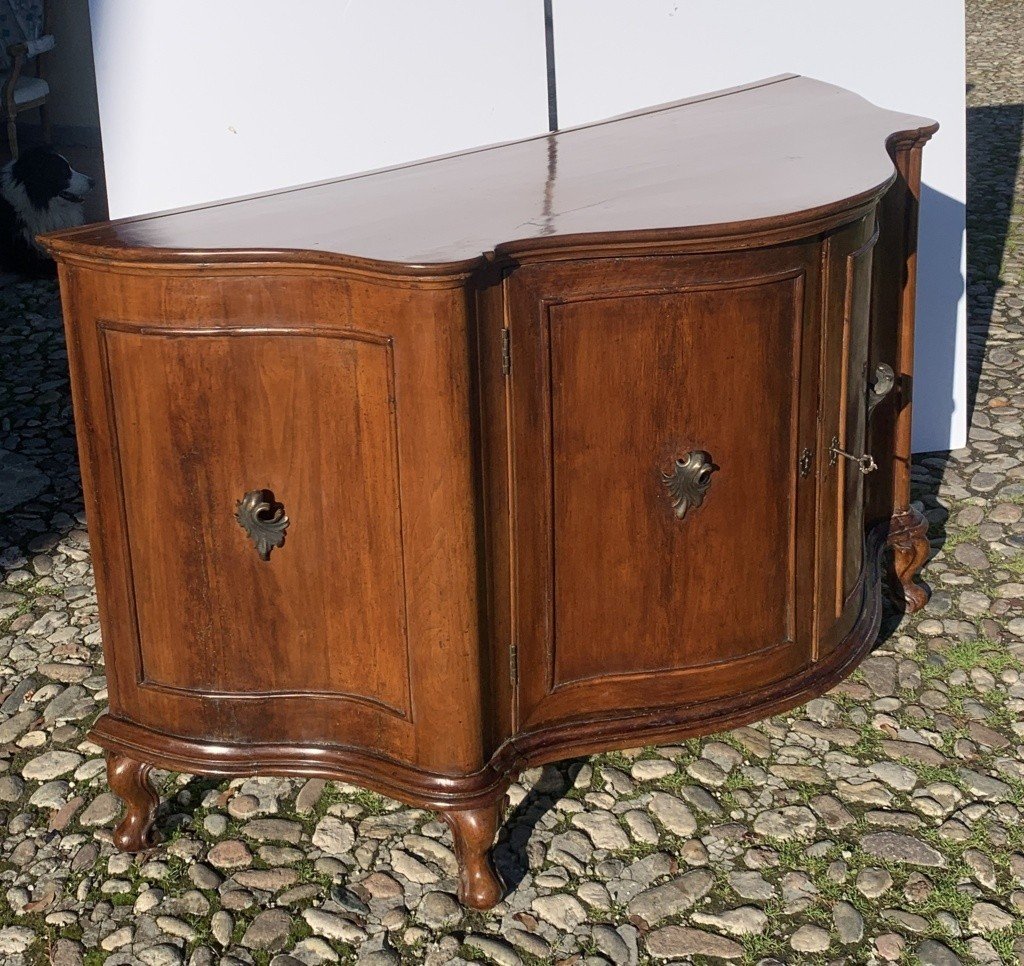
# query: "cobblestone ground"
{"type": "Point", "coordinates": [882, 823]}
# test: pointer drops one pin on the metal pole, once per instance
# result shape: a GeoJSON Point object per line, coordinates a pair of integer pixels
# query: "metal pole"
{"type": "Point", "coordinates": [549, 50]}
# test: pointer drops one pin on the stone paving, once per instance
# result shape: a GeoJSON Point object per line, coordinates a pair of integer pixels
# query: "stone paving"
{"type": "Point", "coordinates": [881, 823]}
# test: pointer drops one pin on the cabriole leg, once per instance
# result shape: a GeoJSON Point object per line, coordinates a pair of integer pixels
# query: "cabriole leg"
{"type": "Point", "coordinates": [473, 830]}
{"type": "Point", "coordinates": [129, 780]}
{"type": "Point", "coordinates": [908, 538]}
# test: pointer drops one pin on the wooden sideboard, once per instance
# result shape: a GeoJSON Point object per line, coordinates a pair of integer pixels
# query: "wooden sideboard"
{"type": "Point", "coordinates": [420, 477]}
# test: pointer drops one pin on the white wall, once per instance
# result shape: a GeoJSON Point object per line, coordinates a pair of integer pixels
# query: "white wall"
{"type": "Point", "coordinates": [202, 100]}
{"type": "Point", "coordinates": [616, 55]}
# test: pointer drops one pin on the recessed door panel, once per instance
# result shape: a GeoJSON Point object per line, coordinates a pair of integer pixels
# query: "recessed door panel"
{"type": "Point", "coordinates": [626, 597]}
{"type": "Point", "coordinates": [204, 417]}
{"type": "Point", "coordinates": [666, 387]}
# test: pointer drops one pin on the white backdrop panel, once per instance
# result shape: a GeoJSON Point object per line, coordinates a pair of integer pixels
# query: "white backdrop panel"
{"type": "Point", "coordinates": [201, 101]}
{"type": "Point", "coordinates": [616, 55]}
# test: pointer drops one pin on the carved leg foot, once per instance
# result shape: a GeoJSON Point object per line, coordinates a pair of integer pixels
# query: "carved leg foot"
{"type": "Point", "coordinates": [129, 780]}
{"type": "Point", "coordinates": [473, 830]}
{"type": "Point", "coordinates": [908, 538]}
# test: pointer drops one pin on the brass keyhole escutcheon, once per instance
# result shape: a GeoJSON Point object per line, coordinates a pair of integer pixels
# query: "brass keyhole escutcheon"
{"type": "Point", "coordinates": [689, 481]}
{"type": "Point", "coordinates": [263, 519]}
{"type": "Point", "coordinates": [882, 385]}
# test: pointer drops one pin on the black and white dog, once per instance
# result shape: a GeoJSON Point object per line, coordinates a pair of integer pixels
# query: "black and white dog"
{"type": "Point", "coordinates": [39, 192]}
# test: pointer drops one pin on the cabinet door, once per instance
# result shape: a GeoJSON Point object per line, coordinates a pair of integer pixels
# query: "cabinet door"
{"type": "Point", "coordinates": [844, 391]}
{"type": "Point", "coordinates": [619, 369]}
{"type": "Point", "coordinates": [345, 402]}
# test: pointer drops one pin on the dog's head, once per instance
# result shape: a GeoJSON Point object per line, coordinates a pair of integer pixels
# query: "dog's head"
{"type": "Point", "coordinates": [45, 192]}
{"type": "Point", "coordinates": [47, 179]}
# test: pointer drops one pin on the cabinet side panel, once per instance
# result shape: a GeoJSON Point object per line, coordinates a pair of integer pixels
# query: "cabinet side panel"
{"type": "Point", "coordinates": [99, 489]}
{"type": "Point", "coordinates": [893, 300]}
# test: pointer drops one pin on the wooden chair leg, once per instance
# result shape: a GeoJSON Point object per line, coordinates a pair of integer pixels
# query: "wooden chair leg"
{"type": "Point", "coordinates": [12, 135]}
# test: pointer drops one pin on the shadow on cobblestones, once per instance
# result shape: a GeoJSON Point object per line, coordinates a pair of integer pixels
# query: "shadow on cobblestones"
{"type": "Point", "coordinates": [511, 854]}
{"type": "Point", "coordinates": [41, 491]}
{"type": "Point", "coordinates": [994, 135]}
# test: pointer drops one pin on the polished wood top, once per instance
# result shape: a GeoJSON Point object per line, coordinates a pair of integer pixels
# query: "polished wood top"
{"type": "Point", "coordinates": [775, 152]}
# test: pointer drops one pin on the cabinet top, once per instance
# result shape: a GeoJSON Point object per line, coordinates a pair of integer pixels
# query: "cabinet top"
{"type": "Point", "coordinates": [777, 154]}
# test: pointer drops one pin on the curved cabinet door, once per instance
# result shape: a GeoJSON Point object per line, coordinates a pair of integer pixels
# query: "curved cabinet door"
{"type": "Point", "coordinates": [622, 601]}
{"type": "Point", "coordinates": [844, 414]}
{"type": "Point", "coordinates": [338, 400]}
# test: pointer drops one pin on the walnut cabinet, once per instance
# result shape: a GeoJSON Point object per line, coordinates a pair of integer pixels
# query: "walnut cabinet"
{"type": "Point", "coordinates": [420, 477]}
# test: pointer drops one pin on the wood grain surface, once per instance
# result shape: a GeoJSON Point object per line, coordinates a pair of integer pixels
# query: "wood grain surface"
{"type": "Point", "coordinates": [772, 152]}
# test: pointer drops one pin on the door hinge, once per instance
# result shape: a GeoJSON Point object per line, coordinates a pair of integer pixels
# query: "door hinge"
{"type": "Point", "coordinates": [806, 462]}
{"type": "Point", "coordinates": [506, 351]}
{"type": "Point", "coordinates": [513, 662]}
